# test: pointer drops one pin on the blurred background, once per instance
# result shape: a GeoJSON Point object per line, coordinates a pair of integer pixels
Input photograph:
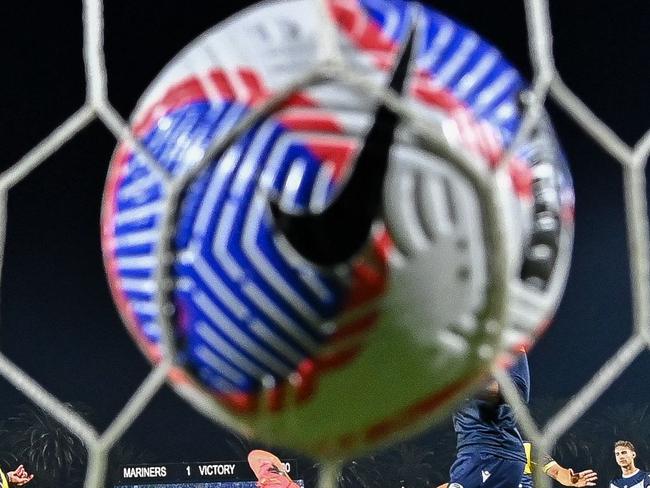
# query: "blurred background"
{"type": "Point", "coordinates": [59, 323]}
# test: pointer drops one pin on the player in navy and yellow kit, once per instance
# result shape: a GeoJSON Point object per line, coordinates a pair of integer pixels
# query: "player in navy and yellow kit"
{"type": "Point", "coordinates": [550, 467]}
{"type": "Point", "coordinates": [631, 476]}
{"type": "Point", "coordinates": [564, 476]}
{"type": "Point", "coordinates": [490, 451]}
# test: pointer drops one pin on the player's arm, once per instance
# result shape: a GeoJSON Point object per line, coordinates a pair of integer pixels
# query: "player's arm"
{"type": "Point", "coordinates": [567, 477]}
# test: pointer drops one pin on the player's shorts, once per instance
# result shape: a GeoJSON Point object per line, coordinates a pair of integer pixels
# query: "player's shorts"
{"type": "Point", "coordinates": [478, 470]}
{"type": "Point", "coordinates": [526, 481]}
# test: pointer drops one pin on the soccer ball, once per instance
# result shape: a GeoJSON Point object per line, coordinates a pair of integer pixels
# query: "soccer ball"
{"type": "Point", "coordinates": [334, 280]}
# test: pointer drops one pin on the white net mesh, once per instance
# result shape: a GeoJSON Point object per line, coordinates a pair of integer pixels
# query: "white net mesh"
{"type": "Point", "coordinates": [546, 82]}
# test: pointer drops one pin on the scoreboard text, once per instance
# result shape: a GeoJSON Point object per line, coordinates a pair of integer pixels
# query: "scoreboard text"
{"type": "Point", "coordinates": [191, 472]}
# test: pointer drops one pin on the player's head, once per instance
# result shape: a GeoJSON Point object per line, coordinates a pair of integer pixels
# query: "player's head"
{"type": "Point", "coordinates": [624, 453]}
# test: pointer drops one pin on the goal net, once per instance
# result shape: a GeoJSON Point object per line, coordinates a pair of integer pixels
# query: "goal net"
{"type": "Point", "coordinates": [546, 84]}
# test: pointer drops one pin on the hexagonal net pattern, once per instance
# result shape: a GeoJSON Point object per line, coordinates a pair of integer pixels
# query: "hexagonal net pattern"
{"type": "Point", "coordinates": [546, 82]}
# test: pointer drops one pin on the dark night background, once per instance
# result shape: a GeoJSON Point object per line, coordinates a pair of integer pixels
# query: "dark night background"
{"type": "Point", "coordinates": [58, 321]}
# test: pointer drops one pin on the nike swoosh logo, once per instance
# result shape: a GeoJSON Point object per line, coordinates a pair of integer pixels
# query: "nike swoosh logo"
{"type": "Point", "coordinates": [337, 233]}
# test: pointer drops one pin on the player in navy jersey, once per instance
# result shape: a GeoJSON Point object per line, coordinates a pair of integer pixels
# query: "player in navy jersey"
{"type": "Point", "coordinates": [490, 451]}
{"type": "Point", "coordinates": [631, 476]}
{"type": "Point", "coordinates": [550, 467]}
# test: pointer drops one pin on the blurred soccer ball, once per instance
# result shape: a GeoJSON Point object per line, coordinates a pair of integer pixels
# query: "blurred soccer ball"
{"type": "Point", "coordinates": [331, 279]}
